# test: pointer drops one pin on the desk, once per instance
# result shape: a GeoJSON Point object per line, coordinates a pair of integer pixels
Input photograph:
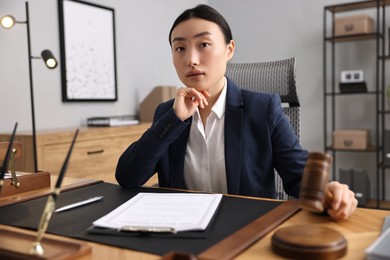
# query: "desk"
{"type": "Point", "coordinates": [360, 230]}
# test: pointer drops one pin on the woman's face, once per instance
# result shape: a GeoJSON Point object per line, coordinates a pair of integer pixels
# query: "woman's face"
{"type": "Point", "coordinates": [200, 54]}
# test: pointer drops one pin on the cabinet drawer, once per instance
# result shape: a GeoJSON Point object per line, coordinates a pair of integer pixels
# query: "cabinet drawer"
{"type": "Point", "coordinates": [94, 156]}
{"type": "Point", "coordinates": [88, 157]}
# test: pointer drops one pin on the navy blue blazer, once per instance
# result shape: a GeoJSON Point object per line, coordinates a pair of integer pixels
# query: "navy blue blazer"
{"type": "Point", "coordinates": [258, 139]}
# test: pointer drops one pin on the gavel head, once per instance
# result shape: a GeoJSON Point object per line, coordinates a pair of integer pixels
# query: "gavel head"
{"type": "Point", "coordinates": [314, 180]}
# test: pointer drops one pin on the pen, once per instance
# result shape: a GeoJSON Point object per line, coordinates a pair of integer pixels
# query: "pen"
{"type": "Point", "coordinates": [65, 166]}
{"type": "Point", "coordinates": [78, 204]}
{"type": "Point", "coordinates": [37, 248]}
{"type": "Point", "coordinates": [6, 158]}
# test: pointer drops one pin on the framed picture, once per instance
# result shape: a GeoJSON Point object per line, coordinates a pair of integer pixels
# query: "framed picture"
{"type": "Point", "coordinates": [88, 56]}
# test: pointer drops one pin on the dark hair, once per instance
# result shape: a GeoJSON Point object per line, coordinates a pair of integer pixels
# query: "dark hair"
{"type": "Point", "coordinates": [208, 13]}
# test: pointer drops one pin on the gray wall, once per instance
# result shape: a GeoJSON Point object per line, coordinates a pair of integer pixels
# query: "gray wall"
{"type": "Point", "coordinates": [143, 61]}
{"type": "Point", "coordinates": [263, 31]}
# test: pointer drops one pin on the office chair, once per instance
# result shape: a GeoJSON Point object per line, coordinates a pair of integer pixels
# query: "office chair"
{"type": "Point", "coordinates": [271, 77]}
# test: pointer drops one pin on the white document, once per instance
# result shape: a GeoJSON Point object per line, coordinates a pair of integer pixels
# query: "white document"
{"type": "Point", "coordinates": [180, 211]}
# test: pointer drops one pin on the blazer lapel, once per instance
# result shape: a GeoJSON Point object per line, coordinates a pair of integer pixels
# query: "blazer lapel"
{"type": "Point", "coordinates": [233, 137]}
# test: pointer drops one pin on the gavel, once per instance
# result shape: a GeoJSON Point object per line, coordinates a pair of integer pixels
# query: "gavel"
{"type": "Point", "coordinates": [313, 196]}
{"type": "Point", "coordinates": [309, 241]}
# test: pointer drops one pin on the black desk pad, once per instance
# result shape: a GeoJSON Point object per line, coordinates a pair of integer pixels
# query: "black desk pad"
{"type": "Point", "coordinates": [233, 214]}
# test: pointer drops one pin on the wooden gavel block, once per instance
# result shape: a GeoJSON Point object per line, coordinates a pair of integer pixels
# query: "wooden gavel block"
{"type": "Point", "coordinates": [311, 241]}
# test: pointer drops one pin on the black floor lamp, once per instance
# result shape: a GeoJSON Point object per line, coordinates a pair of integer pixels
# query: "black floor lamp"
{"type": "Point", "coordinates": [8, 22]}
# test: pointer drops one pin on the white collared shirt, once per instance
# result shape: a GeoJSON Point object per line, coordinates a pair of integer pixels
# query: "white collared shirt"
{"type": "Point", "coordinates": [204, 165]}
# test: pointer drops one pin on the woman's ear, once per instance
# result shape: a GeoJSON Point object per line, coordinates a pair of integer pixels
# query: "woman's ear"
{"type": "Point", "coordinates": [230, 50]}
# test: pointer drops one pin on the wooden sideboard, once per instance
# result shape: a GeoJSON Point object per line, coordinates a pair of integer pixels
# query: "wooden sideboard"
{"type": "Point", "coordinates": [95, 154]}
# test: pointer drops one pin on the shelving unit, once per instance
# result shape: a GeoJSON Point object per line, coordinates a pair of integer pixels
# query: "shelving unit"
{"type": "Point", "coordinates": [376, 90]}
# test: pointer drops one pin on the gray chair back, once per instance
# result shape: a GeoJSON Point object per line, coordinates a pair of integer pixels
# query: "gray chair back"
{"type": "Point", "coordinates": [277, 77]}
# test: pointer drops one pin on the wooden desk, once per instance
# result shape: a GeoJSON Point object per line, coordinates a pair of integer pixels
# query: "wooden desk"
{"type": "Point", "coordinates": [361, 229]}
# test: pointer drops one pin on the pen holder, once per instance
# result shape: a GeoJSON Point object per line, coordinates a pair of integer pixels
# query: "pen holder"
{"type": "Point", "coordinates": [29, 182]}
{"type": "Point", "coordinates": [16, 244]}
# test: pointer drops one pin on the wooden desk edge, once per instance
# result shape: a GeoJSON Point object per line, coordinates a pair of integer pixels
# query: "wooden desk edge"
{"type": "Point", "coordinates": [245, 237]}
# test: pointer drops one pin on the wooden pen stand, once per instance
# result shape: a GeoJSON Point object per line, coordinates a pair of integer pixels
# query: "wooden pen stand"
{"type": "Point", "coordinates": [28, 182]}
{"type": "Point", "coordinates": [16, 244]}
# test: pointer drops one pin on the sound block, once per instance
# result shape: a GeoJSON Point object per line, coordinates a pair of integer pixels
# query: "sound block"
{"type": "Point", "coordinates": [309, 242]}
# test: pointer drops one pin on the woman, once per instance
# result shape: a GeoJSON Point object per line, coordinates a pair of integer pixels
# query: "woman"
{"type": "Point", "coordinates": [214, 136]}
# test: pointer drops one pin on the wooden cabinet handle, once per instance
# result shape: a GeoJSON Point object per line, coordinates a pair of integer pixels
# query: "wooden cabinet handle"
{"type": "Point", "coordinates": [95, 152]}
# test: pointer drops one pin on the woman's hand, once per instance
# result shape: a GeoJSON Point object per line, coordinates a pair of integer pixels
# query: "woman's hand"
{"type": "Point", "coordinates": [342, 202]}
{"type": "Point", "coordinates": [187, 100]}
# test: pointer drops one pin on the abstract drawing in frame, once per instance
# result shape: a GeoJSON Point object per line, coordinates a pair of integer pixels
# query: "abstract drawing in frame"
{"type": "Point", "coordinates": [88, 55]}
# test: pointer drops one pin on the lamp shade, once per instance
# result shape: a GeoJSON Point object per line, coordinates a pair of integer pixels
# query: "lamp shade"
{"type": "Point", "coordinates": [49, 59]}
{"type": "Point", "coordinates": [7, 21]}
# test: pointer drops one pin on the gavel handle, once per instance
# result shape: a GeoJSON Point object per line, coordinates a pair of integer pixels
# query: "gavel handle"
{"type": "Point", "coordinates": [328, 200]}
{"type": "Point", "coordinates": [316, 205]}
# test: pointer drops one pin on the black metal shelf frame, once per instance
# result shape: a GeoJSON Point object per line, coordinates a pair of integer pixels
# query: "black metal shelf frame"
{"type": "Point", "coordinates": [379, 92]}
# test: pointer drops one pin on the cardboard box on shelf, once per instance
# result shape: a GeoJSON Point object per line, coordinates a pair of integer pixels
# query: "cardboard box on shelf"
{"type": "Point", "coordinates": [158, 95]}
{"type": "Point", "coordinates": [350, 25]}
{"type": "Point", "coordinates": [351, 139]}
